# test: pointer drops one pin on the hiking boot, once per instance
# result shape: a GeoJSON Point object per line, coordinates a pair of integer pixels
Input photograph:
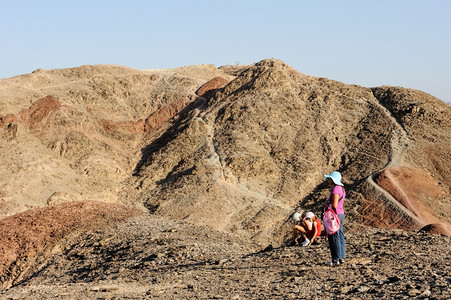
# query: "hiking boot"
{"type": "Point", "coordinates": [333, 263]}
{"type": "Point", "coordinates": [341, 260]}
{"type": "Point", "coordinates": [305, 243]}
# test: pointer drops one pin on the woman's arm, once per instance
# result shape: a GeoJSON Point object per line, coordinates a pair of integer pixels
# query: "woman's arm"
{"type": "Point", "coordinates": [335, 198]}
{"type": "Point", "coordinates": [315, 232]}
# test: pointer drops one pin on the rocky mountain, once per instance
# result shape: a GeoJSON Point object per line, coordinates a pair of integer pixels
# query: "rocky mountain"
{"type": "Point", "coordinates": [233, 150]}
{"type": "Point", "coordinates": [76, 134]}
{"type": "Point", "coordinates": [259, 147]}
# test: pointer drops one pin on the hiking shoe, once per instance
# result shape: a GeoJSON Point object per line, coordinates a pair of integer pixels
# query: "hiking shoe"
{"type": "Point", "coordinates": [333, 263]}
{"type": "Point", "coordinates": [341, 260]}
{"type": "Point", "coordinates": [306, 242]}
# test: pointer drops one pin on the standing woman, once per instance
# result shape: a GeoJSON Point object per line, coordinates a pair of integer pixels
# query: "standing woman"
{"type": "Point", "coordinates": [335, 202]}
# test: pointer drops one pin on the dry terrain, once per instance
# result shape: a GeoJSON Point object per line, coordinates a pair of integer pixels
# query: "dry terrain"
{"type": "Point", "coordinates": [180, 183]}
{"type": "Point", "coordinates": [151, 257]}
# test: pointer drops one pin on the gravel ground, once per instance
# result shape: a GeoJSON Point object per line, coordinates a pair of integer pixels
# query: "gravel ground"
{"type": "Point", "coordinates": [156, 258]}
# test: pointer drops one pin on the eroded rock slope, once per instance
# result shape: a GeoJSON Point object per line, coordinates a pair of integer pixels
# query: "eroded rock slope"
{"type": "Point", "coordinates": [260, 146]}
{"type": "Point", "coordinates": [237, 152]}
{"type": "Point", "coordinates": [232, 150]}
{"type": "Point", "coordinates": [76, 134]}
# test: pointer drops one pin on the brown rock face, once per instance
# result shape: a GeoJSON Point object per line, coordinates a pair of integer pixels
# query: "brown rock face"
{"type": "Point", "coordinates": [39, 110]}
{"type": "Point", "coordinates": [163, 115]}
{"type": "Point", "coordinates": [8, 119]}
{"type": "Point", "coordinates": [77, 134]}
{"type": "Point", "coordinates": [438, 228]}
{"type": "Point", "coordinates": [208, 88]}
{"type": "Point", "coordinates": [417, 192]}
{"type": "Point", "coordinates": [409, 186]}
{"type": "Point", "coordinates": [268, 137]}
{"type": "Point", "coordinates": [29, 238]}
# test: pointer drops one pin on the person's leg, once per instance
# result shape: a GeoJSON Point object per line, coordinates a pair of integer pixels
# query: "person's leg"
{"type": "Point", "coordinates": [295, 234]}
{"type": "Point", "coordinates": [296, 231]}
{"type": "Point", "coordinates": [333, 246]}
{"type": "Point", "coordinates": [341, 239]}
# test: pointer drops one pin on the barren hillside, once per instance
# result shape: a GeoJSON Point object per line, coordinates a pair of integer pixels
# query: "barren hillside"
{"type": "Point", "coordinates": [76, 134]}
{"type": "Point", "coordinates": [232, 151]}
{"type": "Point", "coordinates": [260, 146]}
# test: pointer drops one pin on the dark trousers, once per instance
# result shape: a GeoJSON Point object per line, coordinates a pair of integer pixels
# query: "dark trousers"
{"type": "Point", "coordinates": [337, 244]}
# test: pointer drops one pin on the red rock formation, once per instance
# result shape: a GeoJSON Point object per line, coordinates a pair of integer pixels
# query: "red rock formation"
{"type": "Point", "coordinates": [8, 119]}
{"type": "Point", "coordinates": [29, 237]}
{"type": "Point", "coordinates": [39, 110]}
{"type": "Point", "coordinates": [163, 115]}
{"type": "Point", "coordinates": [128, 126]}
{"type": "Point", "coordinates": [376, 212]}
{"type": "Point", "coordinates": [438, 228]}
{"type": "Point", "coordinates": [411, 188]}
{"type": "Point", "coordinates": [208, 88]}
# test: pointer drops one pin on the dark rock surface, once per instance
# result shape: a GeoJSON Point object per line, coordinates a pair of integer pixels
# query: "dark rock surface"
{"type": "Point", "coordinates": [156, 258]}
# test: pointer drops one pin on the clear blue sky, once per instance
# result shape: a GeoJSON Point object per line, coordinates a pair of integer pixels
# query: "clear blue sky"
{"type": "Point", "coordinates": [370, 43]}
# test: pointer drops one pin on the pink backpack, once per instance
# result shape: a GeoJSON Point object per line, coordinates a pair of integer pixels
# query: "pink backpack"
{"type": "Point", "coordinates": [331, 221]}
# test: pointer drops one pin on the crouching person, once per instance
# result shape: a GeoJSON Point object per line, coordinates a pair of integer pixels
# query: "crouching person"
{"type": "Point", "coordinates": [314, 230]}
{"type": "Point", "coordinates": [307, 226]}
